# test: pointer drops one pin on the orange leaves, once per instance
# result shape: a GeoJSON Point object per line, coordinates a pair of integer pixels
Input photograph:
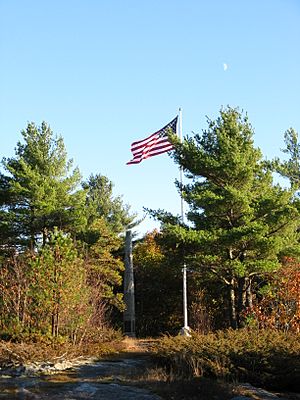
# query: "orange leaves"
{"type": "Point", "coordinates": [279, 308]}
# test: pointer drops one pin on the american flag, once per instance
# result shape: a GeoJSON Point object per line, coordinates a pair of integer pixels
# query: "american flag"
{"type": "Point", "coordinates": [155, 144]}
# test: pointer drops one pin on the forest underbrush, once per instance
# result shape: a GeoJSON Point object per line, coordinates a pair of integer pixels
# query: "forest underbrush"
{"type": "Point", "coordinates": [28, 348]}
{"type": "Point", "coordinates": [263, 358]}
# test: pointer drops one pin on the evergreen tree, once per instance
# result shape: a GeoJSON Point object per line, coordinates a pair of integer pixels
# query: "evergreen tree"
{"type": "Point", "coordinates": [41, 205]}
{"type": "Point", "coordinates": [104, 269]}
{"type": "Point", "coordinates": [40, 190]}
{"type": "Point", "coordinates": [101, 203]}
{"type": "Point", "coordinates": [107, 219]}
{"type": "Point", "coordinates": [291, 168]}
{"type": "Point", "coordinates": [58, 295]}
{"type": "Point", "coordinates": [45, 291]}
{"type": "Point", "coordinates": [158, 288]}
{"type": "Point", "coordinates": [239, 221]}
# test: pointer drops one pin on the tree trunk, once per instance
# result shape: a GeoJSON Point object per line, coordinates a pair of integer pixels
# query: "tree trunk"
{"type": "Point", "coordinates": [24, 309]}
{"type": "Point", "coordinates": [240, 302]}
{"type": "Point", "coordinates": [44, 236]}
{"type": "Point", "coordinates": [18, 303]}
{"type": "Point", "coordinates": [249, 294]}
{"type": "Point", "coordinates": [55, 322]}
{"type": "Point", "coordinates": [244, 288]}
{"type": "Point", "coordinates": [233, 313]}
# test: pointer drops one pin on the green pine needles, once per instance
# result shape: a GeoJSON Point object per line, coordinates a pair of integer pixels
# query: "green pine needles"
{"type": "Point", "coordinates": [239, 221]}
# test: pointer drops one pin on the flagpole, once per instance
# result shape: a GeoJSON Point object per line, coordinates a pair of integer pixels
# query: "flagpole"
{"type": "Point", "coordinates": [185, 330]}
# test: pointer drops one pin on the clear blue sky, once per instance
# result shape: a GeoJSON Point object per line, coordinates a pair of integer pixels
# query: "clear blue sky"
{"type": "Point", "coordinates": [104, 73]}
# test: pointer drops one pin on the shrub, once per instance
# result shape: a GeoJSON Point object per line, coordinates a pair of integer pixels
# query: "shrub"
{"type": "Point", "coordinates": [278, 306]}
{"type": "Point", "coordinates": [266, 358]}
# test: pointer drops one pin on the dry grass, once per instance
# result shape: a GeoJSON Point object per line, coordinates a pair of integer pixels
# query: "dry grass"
{"type": "Point", "coordinates": [130, 344]}
{"type": "Point", "coordinates": [14, 354]}
{"type": "Point", "coordinates": [171, 387]}
{"type": "Point", "coordinates": [138, 345]}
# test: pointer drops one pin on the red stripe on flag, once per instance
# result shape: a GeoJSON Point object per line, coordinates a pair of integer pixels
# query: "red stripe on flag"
{"type": "Point", "coordinates": [153, 145]}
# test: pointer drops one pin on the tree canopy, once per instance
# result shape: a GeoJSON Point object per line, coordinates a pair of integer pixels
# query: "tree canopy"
{"type": "Point", "coordinates": [239, 220]}
{"type": "Point", "coordinates": [60, 267]}
{"type": "Point", "coordinates": [61, 239]}
{"type": "Point", "coordinates": [41, 190]}
{"type": "Point", "coordinates": [101, 203]}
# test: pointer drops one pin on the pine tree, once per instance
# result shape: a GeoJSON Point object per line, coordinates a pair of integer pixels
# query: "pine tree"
{"type": "Point", "coordinates": [239, 220]}
{"type": "Point", "coordinates": [58, 295]}
{"type": "Point", "coordinates": [104, 269]}
{"type": "Point", "coordinates": [41, 190]}
{"type": "Point", "coordinates": [101, 203]}
{"type": "Point", "coordinates": [158, 288]}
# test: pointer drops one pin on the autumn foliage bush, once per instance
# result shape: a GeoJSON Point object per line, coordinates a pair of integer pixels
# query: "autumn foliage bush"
{"type": "Point", "coordinates": [278, 304]}
{"type": "Point", "coordinates": [265, 358]}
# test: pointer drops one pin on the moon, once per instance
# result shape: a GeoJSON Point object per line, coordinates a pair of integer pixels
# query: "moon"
{"type": "Point", "coordinates": [225, 66]}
